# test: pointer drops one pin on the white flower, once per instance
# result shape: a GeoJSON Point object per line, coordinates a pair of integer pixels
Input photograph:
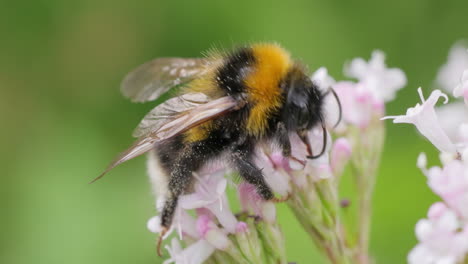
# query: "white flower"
{"type": "Point", "coordinates": [462, 88]}
{"type": "Point", "coordinates": [210, 194]}
{"type": "Point", "coordinates": [382, 82]}
{"type": "Point", "coordinates": [451, 184]}
{"type": "Point", "coordinates": [326, 82]}
{"type": "Point", "coordinates": [196, 253]}
{"type": "Point", "coordinates": [422, 161]}
{"type": "Point", "coordinates": [277, 179]}
{"type": "Point", "coordinates": [299, 150]}
{"type": "Point", "coordinates": [442, 238]}
{"type": "Point", "coordinates": [423, 116]}
{"type": "Point", "coordinates": [359, 106]}
{"type": "Point", "coordinates": [450, 73]}
{"type": "Point", "coordinates": [450, 117]}
{"type": "Point", "coordinates": [322, 79]}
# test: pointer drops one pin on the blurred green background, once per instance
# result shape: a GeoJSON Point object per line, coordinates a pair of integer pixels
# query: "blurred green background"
{"type": "Point", "coordinates": [63, 119]}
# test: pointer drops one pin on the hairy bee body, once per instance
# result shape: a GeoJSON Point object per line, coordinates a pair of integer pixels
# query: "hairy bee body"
{"type": "Point", "coordinates": [229, 104]}
{"type": "Point", "coordinates": [278, 99]}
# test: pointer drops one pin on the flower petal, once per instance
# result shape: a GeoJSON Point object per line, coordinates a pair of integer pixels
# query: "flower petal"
{"type": "Point", "coordinates": [380, 81]}
{"type": "Point", "coordinates": [426, 121]}
{"type": "Point", "coordinates": [449, 74]}
{"type": "Point", "coordinates": [322, 79]}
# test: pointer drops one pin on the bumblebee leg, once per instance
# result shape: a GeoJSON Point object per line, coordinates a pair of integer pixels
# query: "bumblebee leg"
{"type": "Point", "coordinates": [241, 159]}
{"type": "Point", "coordinates": [168, 210]}
{"type": "Point", "coordinates": [180, 180]}
{"type": "Point", "coordinates": [283, 139]}
{"type": "Point", "coordinates": [181, 176]}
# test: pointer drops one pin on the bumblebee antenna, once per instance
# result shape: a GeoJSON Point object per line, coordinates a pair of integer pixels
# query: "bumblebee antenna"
{"type": "Point", "coordinates": [340, 110]}
{"type": "Point", "coordinates": [324, 146]}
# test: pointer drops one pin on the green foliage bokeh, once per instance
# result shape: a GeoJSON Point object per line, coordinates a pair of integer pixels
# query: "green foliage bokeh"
{"type": "Point", "coordinates": [62, 117]}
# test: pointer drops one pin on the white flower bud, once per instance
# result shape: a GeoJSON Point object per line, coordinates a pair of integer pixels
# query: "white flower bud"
{"type": "Point", "coordinates": [269, 212]}
{"type": "Point", "coordinates": [218, 239]}
{"type": "Point", "coordinates": [422, 161]}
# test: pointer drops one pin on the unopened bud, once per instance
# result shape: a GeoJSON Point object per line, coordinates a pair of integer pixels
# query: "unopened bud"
{"type": "Point", "coordinates": [218, 239]}
{"type": "Point", "coordinates": [269, 212]}
{"type": "Point", "coordinates": [344, 203]}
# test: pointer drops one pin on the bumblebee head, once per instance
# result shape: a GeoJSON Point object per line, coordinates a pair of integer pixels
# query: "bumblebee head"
{"type": "Point", "coordinates": [303, 105]}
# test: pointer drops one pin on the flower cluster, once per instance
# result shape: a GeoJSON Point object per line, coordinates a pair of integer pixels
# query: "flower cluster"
{"type": "Point", "coordinates": [207, 231]}
{"type": "Point", "coordinates": [443, 235]}
{"type": "Point", "coordinates": [212, 233]}
{"type": "Point", "coordinates": [363, 105]}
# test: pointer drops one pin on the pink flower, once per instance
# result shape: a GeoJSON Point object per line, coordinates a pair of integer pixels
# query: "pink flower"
{"type": "Point", "coordinates": [252, 202]}
{"type": "Point", "coordinates": [359, 106]}
{"type": "Point", "coordinates": [451, 184]}
{"type": "Point", "coordinates": [442, 238]}
{"type": "Point", "coordinates": [241, 227]}
{"type": "Point", "coordinates": [196, 253]}
{"type": "Point", "coordinates": [211, 233]}
{"type": "Point", "coordinates": [207, 235]}
{"type": "Point", "coordinates": [210, 194]}
{"type": "Point", "coordinates": [274, 170]}
{"type": "Point", "coordinates": [450, 73]}
{"type": "Point", "coordinates": [340, 155]}
{"type": "Point", "coordinates": [462, 88]}
{"type": "Point", "coordinates": [279, 171]}
{"type": "Point", "coordinates": [185, 224]}
{"type": "Point", "coordinates": [424, 118]}
{"type": "Point", "coordinates": [299, 150]}
{"type": "Point", "coordinates": [380, 81]}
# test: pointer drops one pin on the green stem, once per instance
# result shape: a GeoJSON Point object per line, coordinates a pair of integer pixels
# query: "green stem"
{"type": "Point", "coordinates": [365, 163]}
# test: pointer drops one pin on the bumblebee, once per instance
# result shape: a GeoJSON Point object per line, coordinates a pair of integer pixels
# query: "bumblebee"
{"type": "Point", "coordinates": [227, 104]}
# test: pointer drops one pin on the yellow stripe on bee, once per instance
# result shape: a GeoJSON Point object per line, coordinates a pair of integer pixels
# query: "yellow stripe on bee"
{"type": "Point", "coordinates": [272, 64]}
{"type": "Point", "coordinates": [205, 84]}
{"type": "Point", "coordinates": [198, 133]}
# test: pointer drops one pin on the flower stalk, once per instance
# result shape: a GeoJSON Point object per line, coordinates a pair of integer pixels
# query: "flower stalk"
{"type": "Point", "coordinates": [365, 162]}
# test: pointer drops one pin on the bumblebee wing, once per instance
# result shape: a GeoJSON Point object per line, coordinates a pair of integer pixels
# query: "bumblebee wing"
{"type": "Point", "coordinates": [169, 111]}
{"type": "Point", "coordinates": [172, 118]}
{"type": "Point", "coordinates": [152, 79]}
